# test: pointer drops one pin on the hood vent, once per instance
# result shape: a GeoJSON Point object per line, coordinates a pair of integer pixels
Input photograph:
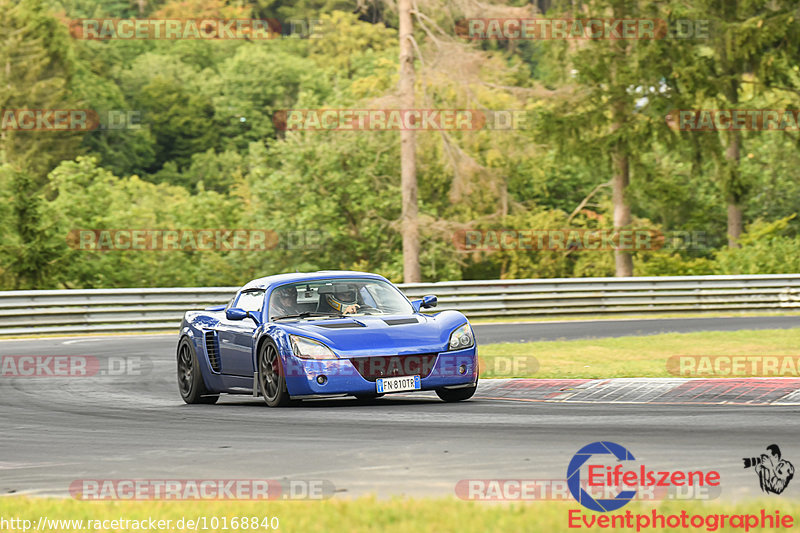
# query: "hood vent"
{"type": "Point", "coordinates": [340, 325]}
{"type": "Point", "coordinates": [399, 321]}
{"type": "Point", "coordinates": [212, 350]}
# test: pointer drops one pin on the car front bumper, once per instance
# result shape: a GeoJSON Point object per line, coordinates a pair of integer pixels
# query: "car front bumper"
{"type": "Point", "coordinates": [452, 369]}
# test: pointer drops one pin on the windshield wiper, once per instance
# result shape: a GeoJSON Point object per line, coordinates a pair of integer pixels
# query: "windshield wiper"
{"type": "Point", "coordinates": [309, 314]}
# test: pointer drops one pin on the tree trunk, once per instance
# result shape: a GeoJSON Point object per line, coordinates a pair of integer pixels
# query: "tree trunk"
{"type": "Point", "coordinates": [623, 261]}
{"type": "Point", "coordinates": [408, 157]}
{"type": "Point", "coordinates": [622, 211]}
{"type": "Point", "coordinates": [734, 224]}
{"type": "Point", "coordinates": [734, 201]}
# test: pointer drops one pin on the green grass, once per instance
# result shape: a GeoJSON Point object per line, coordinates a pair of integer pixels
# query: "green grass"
{"type": "Point", "coordinates": [629, 356]}
{"type": "Point", "coordinates": [369, 514]}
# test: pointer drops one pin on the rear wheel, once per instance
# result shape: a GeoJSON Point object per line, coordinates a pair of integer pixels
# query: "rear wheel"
{"type": "Point", "coordinates": [190, 378]}
{"type": "Point", "coordinates": [456, 395]}
{"type": "Point", "coordinates": [271, 377]}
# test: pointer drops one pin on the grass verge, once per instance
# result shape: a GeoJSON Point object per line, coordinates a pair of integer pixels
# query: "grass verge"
{"type": "Point", "coordinates": [369, 514]}
{"type": "Point", "coordinates": [624, 357]}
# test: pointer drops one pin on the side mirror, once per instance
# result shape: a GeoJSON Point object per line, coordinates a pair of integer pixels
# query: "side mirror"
{"type": "Point", "coordinates": [429, 301]}
{"type": "Point", "coordinates": [426, 302]}
{"type": "Point", "coordinates": [234, 313]}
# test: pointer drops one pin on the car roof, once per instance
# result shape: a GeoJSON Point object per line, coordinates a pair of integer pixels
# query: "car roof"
{"type": "Point", "coordinates": [278, 279]}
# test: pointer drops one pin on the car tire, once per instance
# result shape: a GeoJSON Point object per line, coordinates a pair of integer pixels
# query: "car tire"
{"type": "Point", "coordinates": [190, 379]}
{"type": "Point", "coordinates": [456, 395]}
{"type": "Point", "coordinates": [271, 378]}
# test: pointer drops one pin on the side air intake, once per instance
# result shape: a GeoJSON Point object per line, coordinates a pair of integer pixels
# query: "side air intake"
{"type": "Point", "coordinates": [212, 350]}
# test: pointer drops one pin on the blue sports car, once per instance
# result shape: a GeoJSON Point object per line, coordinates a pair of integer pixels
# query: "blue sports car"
{"type": "Point", "coordinates": [324, 334]}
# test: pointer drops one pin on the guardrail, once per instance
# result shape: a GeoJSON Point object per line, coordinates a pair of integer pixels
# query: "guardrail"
{"type": "Point", "coordinates": [112, 310]}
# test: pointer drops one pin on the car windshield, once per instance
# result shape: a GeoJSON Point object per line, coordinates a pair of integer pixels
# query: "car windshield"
{"type": "Point", "coordinates": [335, 298]}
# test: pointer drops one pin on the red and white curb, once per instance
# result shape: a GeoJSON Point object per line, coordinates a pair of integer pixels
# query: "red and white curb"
{"type": "Point", "coordinates": [694, 391]}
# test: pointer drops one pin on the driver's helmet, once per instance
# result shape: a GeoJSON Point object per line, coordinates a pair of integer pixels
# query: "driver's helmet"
{"type": "Point", "coordinates": [342, 296]}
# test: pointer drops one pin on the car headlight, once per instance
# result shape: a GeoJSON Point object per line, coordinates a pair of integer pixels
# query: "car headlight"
{"type": "Point", "coordinates": [305, 348]}
{"type": "Point", "coordinates": [461, 338]}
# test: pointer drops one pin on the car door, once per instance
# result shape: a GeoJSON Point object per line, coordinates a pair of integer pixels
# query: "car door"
{"type": "Point", "coordinates": [236, 336]}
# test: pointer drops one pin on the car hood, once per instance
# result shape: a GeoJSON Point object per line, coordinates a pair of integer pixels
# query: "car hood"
{"type": "Point", "coordinates": [380, 335]}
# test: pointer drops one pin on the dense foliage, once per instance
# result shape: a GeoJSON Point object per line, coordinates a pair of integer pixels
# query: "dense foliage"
{"type": "Point", "coordinates": [201, 148]}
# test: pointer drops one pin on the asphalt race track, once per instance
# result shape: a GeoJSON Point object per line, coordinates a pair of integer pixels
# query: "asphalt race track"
{"type": "Point", "coordinates": [134, 425]}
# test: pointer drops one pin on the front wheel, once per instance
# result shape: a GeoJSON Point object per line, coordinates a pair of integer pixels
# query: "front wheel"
{"type": "Point", "coordinates": [456, 395]}
{"type": "Point", "coordinates": [271, 378]}
{"type": "Point", "coordinates": [190, 378]}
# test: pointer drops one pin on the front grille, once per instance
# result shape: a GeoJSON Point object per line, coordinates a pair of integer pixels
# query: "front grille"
{"type": "Point", "coordinates": [372, 368]}
{"type": "Point", "coordinates": [212, 350]}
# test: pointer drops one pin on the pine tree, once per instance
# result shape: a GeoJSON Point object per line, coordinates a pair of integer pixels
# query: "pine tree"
{"type": "Point", "coordinates": [604, 109]}
{"type": "Point", "coordinates": [751, 48]}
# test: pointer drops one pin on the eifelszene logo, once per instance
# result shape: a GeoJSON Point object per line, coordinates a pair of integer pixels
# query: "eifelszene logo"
{"type": "Point", "coordinates": [610, 479]}
{"type": "Point", "coordinates": [774, 473]}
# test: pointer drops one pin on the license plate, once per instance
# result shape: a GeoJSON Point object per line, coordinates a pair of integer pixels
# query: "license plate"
{"type": "Point", "coordinates": [398, 384]}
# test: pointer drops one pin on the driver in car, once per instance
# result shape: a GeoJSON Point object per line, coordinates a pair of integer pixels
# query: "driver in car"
{"type": "Point", "coordinates": [284, 301]}
{"type": "Point", "coordinates": [344, 299]}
